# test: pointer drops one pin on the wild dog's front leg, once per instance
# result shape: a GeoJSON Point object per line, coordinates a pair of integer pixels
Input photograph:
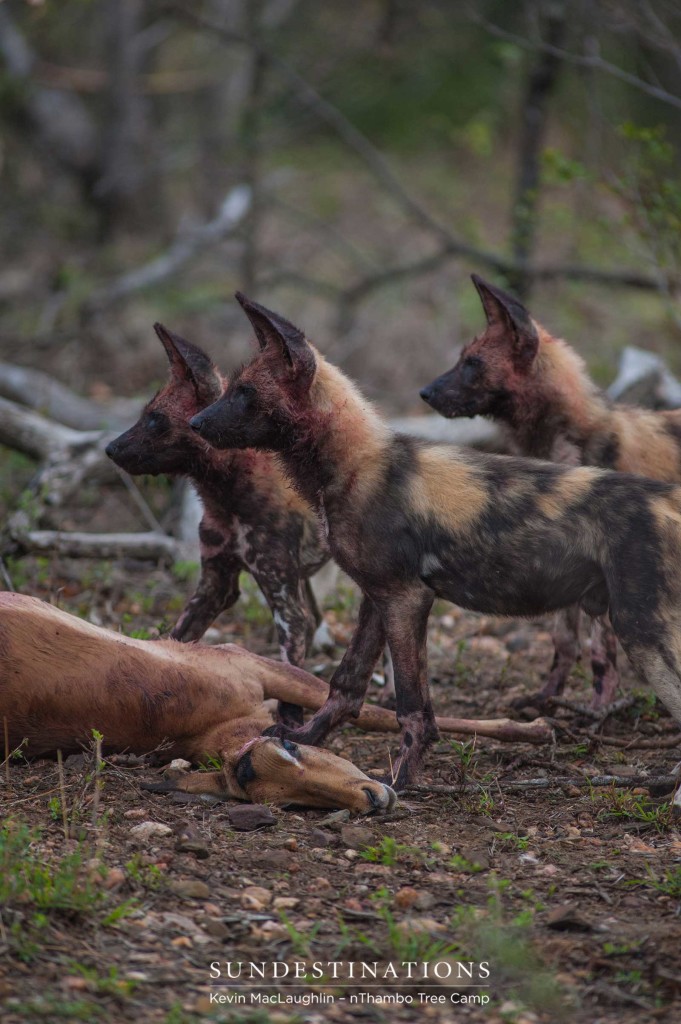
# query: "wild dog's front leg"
{"type": "Point", "coordinates": [349, 682]}
{"type": "Point", "coordinates": [405, 619]}
{"type": "Point", "coordinates": [294, 620]}
{"type": "Point", "coordinates": [218, 589]}
{"type": "Point", "coordinates": [603, 662]}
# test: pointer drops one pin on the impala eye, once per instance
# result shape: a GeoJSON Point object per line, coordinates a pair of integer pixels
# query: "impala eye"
{"type": "Point", "coordinates": [292, 748]}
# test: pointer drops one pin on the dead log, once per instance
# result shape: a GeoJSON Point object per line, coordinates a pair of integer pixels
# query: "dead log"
{"type": "Point", "coordinates": [152, 546]}
{"type": "Point", "coordinates": [643, 378]}
{"type": "Point", "coordinates": [39, 391]}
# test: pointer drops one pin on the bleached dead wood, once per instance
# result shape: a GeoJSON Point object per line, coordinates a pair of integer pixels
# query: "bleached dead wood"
{"type": "Point", "coordinates": [151, 546]}
{"type": "Point", "coordinates": [230, 216]}
{"type": "Point", "coordinates": [39, 391]}
{"type": "Point", "coordinates": [477, 433]}
{"type": "Point", "coordinates": [38, 437]}
{"type": "Point", "coordinates": [644, 379]}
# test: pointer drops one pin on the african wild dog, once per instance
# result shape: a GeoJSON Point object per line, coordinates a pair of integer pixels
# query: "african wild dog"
{"type": "Point", "coordinates": [537, 387]}
{"type": "Point", "coordinates": [252, 520]}
{"type": "Point", "coordinates": [410, 520]}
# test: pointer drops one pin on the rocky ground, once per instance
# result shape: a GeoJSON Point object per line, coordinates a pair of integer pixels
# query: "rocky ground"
{"type": "Point", "coordinates": [571, 893]}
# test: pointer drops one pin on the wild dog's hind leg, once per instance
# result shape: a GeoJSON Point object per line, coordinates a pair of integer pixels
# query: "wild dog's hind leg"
{"type": "Point", "coordinates": [565, 635]}
{"type": "Point", "coordinates": [349, 682]}
{"type": "Point", "coordinates": [405, 619]}
{"type": "Point", "coordinates": [218, 590]}
{"type": "Point", "coordinates": [603, 662]}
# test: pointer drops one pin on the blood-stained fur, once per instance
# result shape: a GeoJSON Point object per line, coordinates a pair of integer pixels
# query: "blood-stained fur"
{"type": "Point", "coordinates": [410, 520]}
{"type": "Point", "coordinates": [253, 519]}
{"type": "Point", "coordinates": [537, 386]}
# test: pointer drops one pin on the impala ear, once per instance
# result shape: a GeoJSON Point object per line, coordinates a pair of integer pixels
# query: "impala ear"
{"type": "Point", "coordinates": [191, 363]}
{"type": "Point", "coordinates": [279, 337]}
{"type": "Point", "coordinates": [503, 310]}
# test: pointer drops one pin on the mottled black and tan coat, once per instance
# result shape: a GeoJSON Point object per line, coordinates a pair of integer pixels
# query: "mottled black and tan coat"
{"type": "Point", "coordinates": [253, 519]}
{"type": "Point", "coordinates": [410, 520]}
{"type": "Point", "coordinates": [538, 388]}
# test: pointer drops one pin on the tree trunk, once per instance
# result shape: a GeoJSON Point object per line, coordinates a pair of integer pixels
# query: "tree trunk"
{"type": "Point", "coordinates": [541, 84]}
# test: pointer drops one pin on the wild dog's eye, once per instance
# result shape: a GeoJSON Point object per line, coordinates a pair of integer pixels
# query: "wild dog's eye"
{"type": "Point", "coordinates": [470, 370]}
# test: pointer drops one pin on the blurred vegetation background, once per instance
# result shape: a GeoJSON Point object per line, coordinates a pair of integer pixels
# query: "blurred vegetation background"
{"type": "Point", "coordinates": [348, 164]}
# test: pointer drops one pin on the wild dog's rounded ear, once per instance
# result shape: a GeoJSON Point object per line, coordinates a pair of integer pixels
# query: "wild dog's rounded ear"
{"type": "Point", "coordinates": [275, 332]}
{"type": "Point", "coordinates": [502, 309]}
{"type": "Point", "coordinates": [189, 362]}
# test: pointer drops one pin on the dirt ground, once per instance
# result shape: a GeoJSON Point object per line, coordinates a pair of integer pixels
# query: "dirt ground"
{"type": "Point", "coordinates": [570, 893]}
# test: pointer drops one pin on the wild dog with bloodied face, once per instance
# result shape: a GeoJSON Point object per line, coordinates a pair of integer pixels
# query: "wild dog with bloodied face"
{"type": "Point", "coordinates": [410, 520]}
{"type": "Point", "coordinates": [537, 386]}
{"type": "Point", "coordinates": [253, 519]}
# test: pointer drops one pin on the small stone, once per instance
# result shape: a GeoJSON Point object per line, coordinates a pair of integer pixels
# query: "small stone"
{"type": "Point", "coordinates": [517, 642]}
{"type": "Point", "coordinates": [291, 843]}
{"type": "Point", "coordinates": [217, 929]}
{"type": "Point", "coordinates": [269, 930]}
{"type": "Point", "coordinates": [420, 926]}
{"type": "Point", "coordinates": [148, 829]}
{"type": "Point", "coordinates": [406, 898]}
{"type": "Point", "coordinates": [182, 942]}
{"type": "Point", "coordinates": [567, 919]}
{"type": "Point", "coordinates": [255, 897]}
{"type": "Point", "coordinates": [476, 856]}
{"type": "Point", "coordinates": [249, 817]}
{"type": "Point", "coordinates": [425, 901]}
{"type": "Point", "coordinates": [136, 812]}
{"type": "Point", "coordinates": [322, 884]}
{"type": "Point", "coordinates": [190, 889]}
{"type": "Point", "coordinates": [335, 820]}
{"type": "Point", "coordinates": [285, 903]}
{"type": "Point", "coordinates": [320, 839]}
{"type": "Point", "coordinates": [180, 765]}
{"type": "Point", "coordinates": [353, 904]}
{"type": "Point", "coordinates": [278, 860]}
{"type": "Point", "coordinates": [351, 855]}
{"type": "Point", "coordinates": [75, 984]}
{"type": "Point", "coordinates": [572, 791]}
{"type": "Point", "coordinates": [189, 842]}
{"type": "Point", "coordinates": [115, 877]}
{"type": "Point", "coordinates": [357, 837]}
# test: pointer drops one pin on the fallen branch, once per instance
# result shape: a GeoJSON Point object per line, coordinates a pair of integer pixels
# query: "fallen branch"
{"type": "Point", "coordinates": [231, 214]}
{"type": "Point", "coordinates": [581, 781]}
{"type": "Point", "coordinates": [151, 546]}
{"type": "Point", "coordinates": [38, 437]}
{"type": "Point", "coordinates": [39, 391]}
